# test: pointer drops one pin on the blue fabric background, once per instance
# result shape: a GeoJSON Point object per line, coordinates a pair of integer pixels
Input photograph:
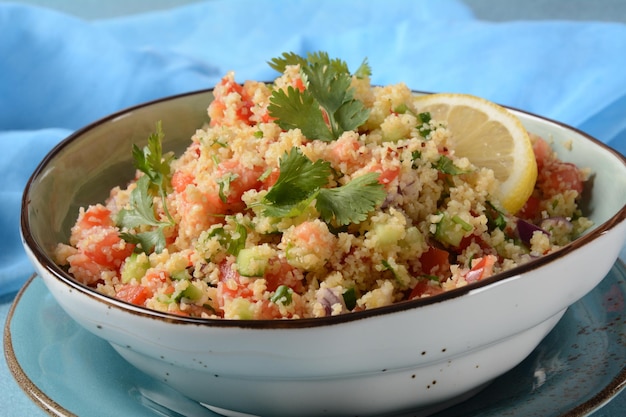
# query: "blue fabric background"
{"type": "Point", "coordinates": [59, 73]}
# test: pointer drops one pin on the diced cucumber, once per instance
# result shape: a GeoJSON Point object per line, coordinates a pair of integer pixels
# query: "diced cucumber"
{"type": "Point", "coordinates": [413, 236]}
{"type": "Point", "coordinates": [451, 230]}
{"type": "Point", "coordinates": [181, 275]}
{"type": "Point", "coordinates": [252, 262]}
{"type": "Point", "coordinates": [192, 293]}
{"type": "Point", "coordinates": [135, 267]}
{"type": "Point", "coordinates": [394, 128]}
{"type": "Point", "coordinates": [388, 234]}
{"type": "Point", "coordinates": [241, 309]}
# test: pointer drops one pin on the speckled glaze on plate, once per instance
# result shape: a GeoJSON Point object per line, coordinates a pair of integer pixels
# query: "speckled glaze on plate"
{"type": "Point", "coordinates": [67, 371]}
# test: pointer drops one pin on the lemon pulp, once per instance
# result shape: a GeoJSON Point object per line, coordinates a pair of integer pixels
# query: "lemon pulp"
{"type": "Point", "coordinates": [490, 137]}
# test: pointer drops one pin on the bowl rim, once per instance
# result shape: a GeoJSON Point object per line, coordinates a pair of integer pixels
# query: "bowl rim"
{"type": "Point", "coordinates": [58, 273]}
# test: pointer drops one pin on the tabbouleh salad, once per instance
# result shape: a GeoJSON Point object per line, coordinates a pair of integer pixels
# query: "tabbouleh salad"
{"type": "Point", "coordinates": [317, 194]}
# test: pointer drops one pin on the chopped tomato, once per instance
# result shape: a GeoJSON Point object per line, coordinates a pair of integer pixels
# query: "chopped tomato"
{"type": "Point", "coordinates": [542, 150]}
{"type": "Point", "coordinates": [388, 175]}
{"type": "Point", "coordinates": [230, 285]}
{"type": "Point", "coordinates": [97, 215]}
{"type": "Point", "coordinates": [240, 179]}
{"type": "Point", "coordinates": [299, 84]}
{"type": "Point", "coordinates": [424, 287]}
{"type": "Point", "coordinates": [531, 209]}
{"type": "Point", "coordinates": [558, 177]}
{"type": "Point", "coordinates": [226, 87]}
{"type": "Point", "coordinates": [269, 311]}
{"type": "Point", "coordinates": [84, 269]}
{"type": "Point", "coordinates": [481, 268]}
{"type": "Point", "coordinates": [435, 261]}
{"type": "Point", "coordinates": [134, 294]}
{"type": "Point", "coordinates": [555, 176]}
{"type": "Point", "coordinates": [468, 240]}
{"type": "Point", "coordinates": [344, 150]}
{"type": "Point", "coordinates": [157, 275]}
{"type": "Point", "coordinates": [281, 273]}
{"type": "Point", "coordinates": [106, 248]}
{"type": "Point", "coordinates": [180, 181]}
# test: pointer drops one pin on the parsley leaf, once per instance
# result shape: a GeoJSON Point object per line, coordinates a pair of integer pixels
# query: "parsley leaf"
{"type": "Point", "coordinates": [232, 245]}
{"type": "Point", "coordinates": [156, 181]}
{"type": "Point", "coordinates": [224, 185]}
{"type": "Point", "coordinates": [295, 109]}
{"type": "Point", "coordinates": [349, 298]}
{"type": "Point", "coordinates": [327, 107]}
{"type": "Point", "coordinates": [299, 178]}
{"type": "Point", "coordinates": [351, 202]}
{"type": "Point", "coordinates": [495, 217]}
{"type": "Point", "coordinates": [141, 214]}
{"type": "Point", "coordinates": [446, 166]}
{"type": "Point", "coordinates": [288, 58]}
{"type": "Point", "coordinates": [301, 181]}
{"type": "Point", "coordinates": [282, 295]}
{"type": "Point", "coordinates": [151, 161]}
{"type": "Point", "coordinates": [424, 127]}
{"type": "Point", "coordinates": [364, 70]}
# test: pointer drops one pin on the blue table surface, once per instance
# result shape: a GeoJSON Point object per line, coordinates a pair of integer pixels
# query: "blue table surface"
{"type": "Point", "coordinates": [13, 399]}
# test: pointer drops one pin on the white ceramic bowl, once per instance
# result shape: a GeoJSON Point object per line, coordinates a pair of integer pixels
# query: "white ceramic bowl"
{"type": "Point", "coordinates": [419, 355]}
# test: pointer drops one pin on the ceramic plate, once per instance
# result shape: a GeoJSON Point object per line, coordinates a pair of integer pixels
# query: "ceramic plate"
{"type": "Point", "coordinates": [67, 371]}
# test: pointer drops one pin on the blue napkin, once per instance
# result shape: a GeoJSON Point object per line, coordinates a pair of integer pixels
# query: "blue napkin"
{"type": "Point", "coordinates": [59, 73]}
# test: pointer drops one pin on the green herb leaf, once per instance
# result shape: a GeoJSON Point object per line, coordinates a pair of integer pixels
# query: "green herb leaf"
{"type": "Point", "coordinates": [142, 210]}
{"type": "Point", "coordinates": [232, 245]}
{"type": "Point", "coordinates": [415, 156]}
{"type": "Point", "coordinates": [142, 213]}
{"type": "Point", "coordinates": [323, 59]}
{"type": "Point", "coordinates": [424, 117]}
{"type": "Point", "coordinates": [388, 267]}
{"type": "Point", "coordinates": [224, 185]}
{"type": "Point", "coordinates": [297, 109]}
{"type": "Point", "coordinates": [424, 127]}
{"type": "Point", "coordinates": [301, 181]}
{"type": "Point", "coordinates": [328, 89]}
{"type": "Point", "coordinates": [155, 181]}
{"type": "Point", "coordinates": [288, 58]}
{"type": "Point", "coordinates": [237, 244]}
{"type": "Point", "coordinates": [288, 210]}
{"type": "Point", "coordinates": [351, 202]}
{"type": "Point", "coordinates": [495, 217]}
{"type": "Point", "coordinates": [299, 178]}
{"type": "Point", "coordinates": [151, 161]}
{"type": "Point", "coordinates": [349, 298]}
{"type": "Point", "coordinates": [149, 241]}
{"type": "Point", "coordinates": [446, 165]}
{"type": "Point", "coordinates": [464, 225]}
{"type": "Point", "coordinates": [364, 70]}
{"type": "Point", "coordinates": [282, 295]}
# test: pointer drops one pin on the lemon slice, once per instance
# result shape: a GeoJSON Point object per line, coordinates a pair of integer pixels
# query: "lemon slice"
{"type": "Point", "coordinates": [490, 137]}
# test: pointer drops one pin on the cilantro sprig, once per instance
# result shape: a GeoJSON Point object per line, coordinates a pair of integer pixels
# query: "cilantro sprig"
{"type": "Point", "coordinates": [301, 181]}
{"type": "Point", "coordinates": [327, 107]}
{"type": "Point", "coordinates": [155, 181]}
{"type": "Point", "coordinates": [446, 165]}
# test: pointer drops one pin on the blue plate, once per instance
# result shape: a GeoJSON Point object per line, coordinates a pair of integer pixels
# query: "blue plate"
{"type": "Point", "coordinates": [67, 371]}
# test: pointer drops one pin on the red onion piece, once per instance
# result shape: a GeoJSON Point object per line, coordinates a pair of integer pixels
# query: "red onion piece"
{"type": "Point", "coordinates": [327, 298]}
{"type": "Point", "coordinates": [526, 229]}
